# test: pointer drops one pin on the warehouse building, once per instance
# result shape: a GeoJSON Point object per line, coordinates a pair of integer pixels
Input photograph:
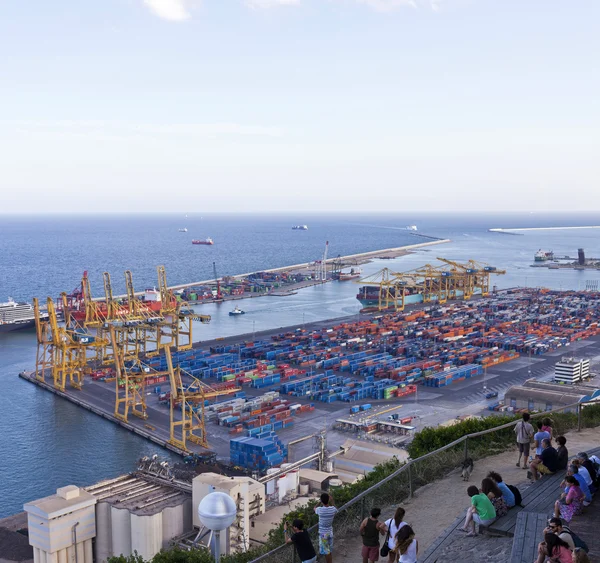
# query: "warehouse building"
{"type": "Point", "coordinates": [545, 396]}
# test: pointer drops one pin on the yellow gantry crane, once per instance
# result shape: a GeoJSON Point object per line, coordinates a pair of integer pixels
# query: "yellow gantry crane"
{"type": "Point", "coordinates": [438, 284]}
{"type": "Point", "coordinates": [191, 405]}
{"type": "Point", "coordinates": [476, 276]}
{"type": "Point", "coordinates": [44, 357]}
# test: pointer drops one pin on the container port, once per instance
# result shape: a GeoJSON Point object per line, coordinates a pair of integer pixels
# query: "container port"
{"type": "Point", "coordinates": [245, 399]}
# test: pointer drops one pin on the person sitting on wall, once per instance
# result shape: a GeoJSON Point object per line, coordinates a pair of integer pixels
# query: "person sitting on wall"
{"type": "Point", "coordinates": [570, 503]}
{"type": "Point", "coordinates": [481, 511]}
{"type": "Point", "coordinates": [546, 463]}
{"type": "Point", "coordinates": [507, 494]}
{"type": "Point", "coordinates": [493, 492]}
{"type": "Point", "coordinates": [562, 452]}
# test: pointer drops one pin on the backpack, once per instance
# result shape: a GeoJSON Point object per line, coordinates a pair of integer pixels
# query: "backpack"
{"type": "Point", "coordinates": [517, 493]}
{"type": "Point", "coordinates": [579, 543]}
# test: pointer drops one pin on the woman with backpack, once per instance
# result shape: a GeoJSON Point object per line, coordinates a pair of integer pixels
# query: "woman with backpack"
{"type": "Point", "coordinates": [493, 492]}
{"type": "Point", "coordinates": [507, 494]}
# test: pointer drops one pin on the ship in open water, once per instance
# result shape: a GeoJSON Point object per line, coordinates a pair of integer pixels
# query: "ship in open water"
{"type": "Point", "coordinates": [17, 316]}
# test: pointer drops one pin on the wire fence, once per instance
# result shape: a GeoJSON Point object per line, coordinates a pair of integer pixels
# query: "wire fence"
{"type": "Point", "coordinates": [400, 485]}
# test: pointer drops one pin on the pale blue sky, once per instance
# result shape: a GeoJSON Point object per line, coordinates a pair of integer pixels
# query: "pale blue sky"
{"type": "Point", "coordinates": [260, 105]}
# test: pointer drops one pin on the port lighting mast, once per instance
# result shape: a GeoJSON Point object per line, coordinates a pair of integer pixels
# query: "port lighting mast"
{"type": "Point", "coordinates": [219, 294]}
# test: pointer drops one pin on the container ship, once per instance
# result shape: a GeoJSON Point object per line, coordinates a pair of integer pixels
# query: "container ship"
{"type": "Point", "coordinates": [17, 316]}
{"type": "Point", "coordinates": [368, 295]}
{"type": "Point", "coordinates": [300, 228]}
{"type": "Point", "coordinates": [151, 305]}
{"type": "Point", "coordinates": [207, 241]}
{"type": "Point", "coordinates": [543, 255]}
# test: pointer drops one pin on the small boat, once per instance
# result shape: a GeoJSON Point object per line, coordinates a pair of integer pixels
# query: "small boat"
{"type": "Point", "coordinates": [237, 311]}
{"type": "Point", "coordinates": [300, 228]}
{"type": "Point", "coordinates": [184, 230]}
{"type": "Point", "coordinates": [207, 241]}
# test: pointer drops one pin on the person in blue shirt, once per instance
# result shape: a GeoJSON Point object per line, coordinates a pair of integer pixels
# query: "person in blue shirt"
{"type": "Point", "coordinates": [539, 436]}
{"type": "Point", "coordinates": [507, 494]}
{"type": "Point", "coordinates": [574, 471]}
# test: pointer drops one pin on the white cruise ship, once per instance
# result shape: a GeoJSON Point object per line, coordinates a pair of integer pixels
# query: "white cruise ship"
{"type": "Point", "coordinates": [17, 316]}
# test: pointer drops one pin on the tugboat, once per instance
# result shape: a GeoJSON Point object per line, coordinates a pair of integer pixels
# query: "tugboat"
{"type": "Point", "coordinates": [237, 311]}
{"type": "Point", "coordinates": [207, 241]}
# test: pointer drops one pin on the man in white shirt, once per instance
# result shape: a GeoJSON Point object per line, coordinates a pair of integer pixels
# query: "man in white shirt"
{"type": "Point", "coordinates": [524, 432]}
{"type": "Point", "coordinates": [326, 511]}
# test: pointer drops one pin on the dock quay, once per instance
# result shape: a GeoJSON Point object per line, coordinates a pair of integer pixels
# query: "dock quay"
{"type": "Point", "coordinates": [303, 272]}
{"type": "Point", "coordinates": [288, 383]}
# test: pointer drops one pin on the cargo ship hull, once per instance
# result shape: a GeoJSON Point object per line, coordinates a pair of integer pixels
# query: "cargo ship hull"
{"type": "Point", "coordinates": [19, 325]}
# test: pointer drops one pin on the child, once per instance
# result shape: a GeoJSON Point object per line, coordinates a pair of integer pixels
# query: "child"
{"type": "Point", "coordinates": [481, 511]}
{"type": "Point", "coordinates": [547, 426]}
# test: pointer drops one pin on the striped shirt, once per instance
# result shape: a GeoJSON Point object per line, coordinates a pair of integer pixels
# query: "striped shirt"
{"type": "Point", "coordinates": [326, 514]}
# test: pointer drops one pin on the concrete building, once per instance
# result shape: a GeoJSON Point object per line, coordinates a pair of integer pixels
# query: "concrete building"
{"type": "Point", "coordinates": [62, 526]}
{"type": "Point", "coordinates": [134, 513]}
{"type": "Point", "coordinates": [571, 370]}
{"type": "Point", "coordinates": [249, 496]}
{"type": "Point", "coordinates": [544, 396]}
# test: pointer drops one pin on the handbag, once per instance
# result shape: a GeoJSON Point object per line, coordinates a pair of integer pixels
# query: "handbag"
{"type": "Point", "coordinates": [385, 548]}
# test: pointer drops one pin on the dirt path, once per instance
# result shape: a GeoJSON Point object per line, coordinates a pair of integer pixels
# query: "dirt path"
{"type": "Point", "coordinates": [435, 506]}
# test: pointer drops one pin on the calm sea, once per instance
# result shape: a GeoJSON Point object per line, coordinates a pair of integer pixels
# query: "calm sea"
{"type": "Point", "coordinates": [47, 442]}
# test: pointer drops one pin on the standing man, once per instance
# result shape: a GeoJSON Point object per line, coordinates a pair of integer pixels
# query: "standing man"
{"type": "Point", "coordinates": [326, 511]}
{"type": "Point", "coordinates": [301, 540]}
{"type": "Point", "coordinates": [524, 432]}
{"type": "Point", "coordinates": [370, 530]}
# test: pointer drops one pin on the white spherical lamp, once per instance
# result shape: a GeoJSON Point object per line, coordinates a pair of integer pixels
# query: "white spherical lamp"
{"type": "Point", "coordinates": [217, 511]}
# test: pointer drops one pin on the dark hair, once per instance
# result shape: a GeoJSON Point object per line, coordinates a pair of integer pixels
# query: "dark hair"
{"type": "Point", "coordinates": [561, 440]}
{"type": "Point", "coordinates": [404, 538]}
{"type": "Point", "coordinates": [375, 512]}
{"type": "Point", "coordinates": [555, 521]}
{"type": "Point", "coordinates": [399, 516]}
{"type": "Point", "coordinates": [495, 476]}
{"type": "Point", "coordinates": [539, 424]}
{"type": "Point", "coordinates": [324, 498]}
{"type": "Point", "coordinates": [571, 480]}
{"type": "Point", "coordinates": [297, 523]}
{"type": "Point", "coordinates": [553, 542]}
{"type": "Point", "coordinates": [488, 486]}
{"type": "Point", "coordinates": [547, 421]}
{"type": "Point", "coordinates": [526, 416]}
{"type": "Point", "coordinates": [472, 491]}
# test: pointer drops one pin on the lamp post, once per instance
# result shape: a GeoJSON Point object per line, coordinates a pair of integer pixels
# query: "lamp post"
{"type": "Point", "coordinates": [217, 512]}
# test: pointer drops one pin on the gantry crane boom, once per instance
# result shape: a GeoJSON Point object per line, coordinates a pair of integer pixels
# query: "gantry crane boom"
{"type": "Point", "coordinates": [191, 426]}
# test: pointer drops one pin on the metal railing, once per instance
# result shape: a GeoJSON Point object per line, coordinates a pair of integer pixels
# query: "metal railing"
{"type": "Point", "coordinates": [412, 473]}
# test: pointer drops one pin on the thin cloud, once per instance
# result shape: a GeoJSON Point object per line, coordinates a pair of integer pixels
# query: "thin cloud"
{"type": "Point", "coordinates": [388, 5]}
{"type": "Point", "coordinates": [172, 10]}
{"type": "Point", "coordinates": [100, 130]}
{"type": "Point", "coordinates": [263, 4]}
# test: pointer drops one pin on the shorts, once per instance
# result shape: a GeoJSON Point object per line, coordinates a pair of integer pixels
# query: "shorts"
{"type": "Point", "coordinates": [481, 522]}
{"type": "Point", "coordinates": [325, 543]}
{"type": "Point", "coordinates": [524, 448]}
{"type": "Point", "coordinates": [370, 552]}
{"type": "Point", "coordinates": [544, 470]}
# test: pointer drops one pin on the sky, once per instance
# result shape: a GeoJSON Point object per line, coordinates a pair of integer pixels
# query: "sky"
{"type": "Point", "coordinates": [299, 105]}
